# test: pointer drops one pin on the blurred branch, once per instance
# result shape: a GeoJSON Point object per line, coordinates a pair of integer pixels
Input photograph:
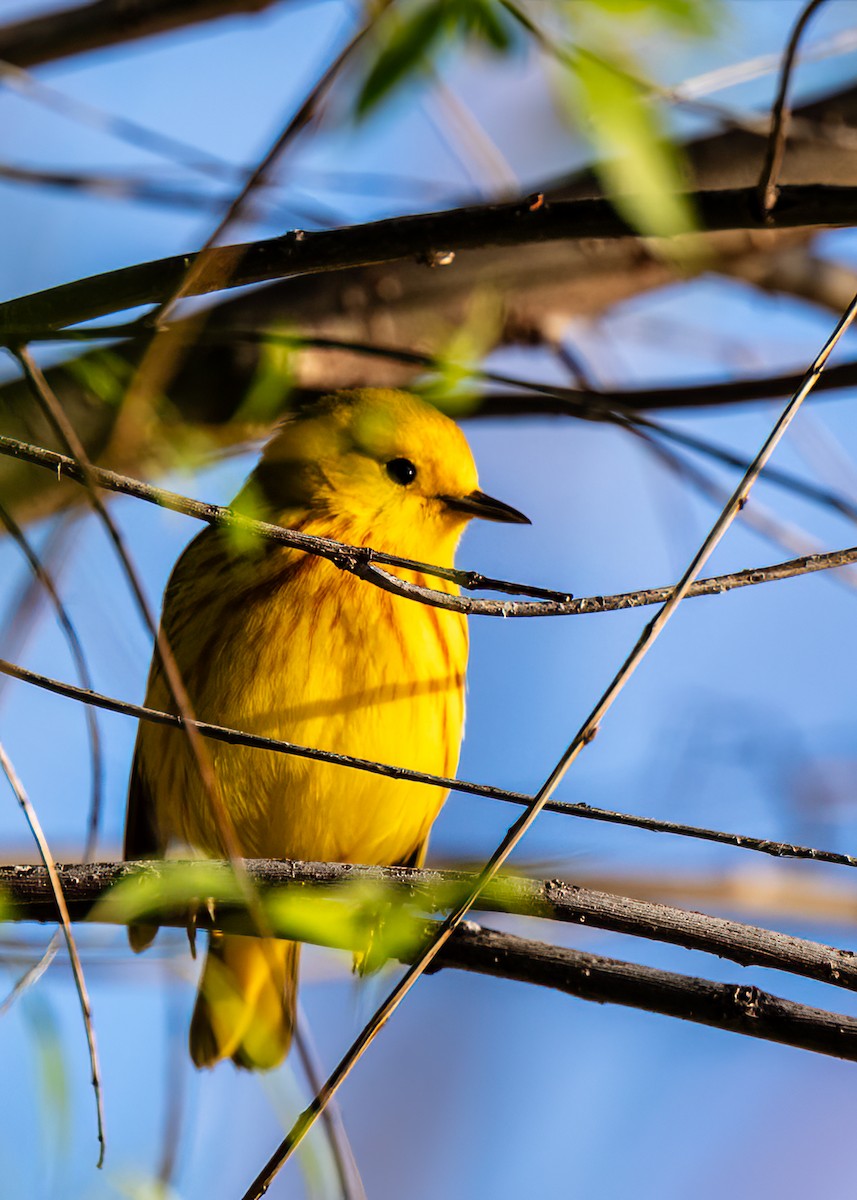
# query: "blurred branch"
{"type": "Point", "coordinates": [432, 238]}
{"type": "Point", "coordinates": [780, 115]}
{"type": "Point", "coordinates": [737, 1008]}
{"type": "Point", "coordinates": [43, 577]}
{"type": "Point", "coordinates": [58, 35]}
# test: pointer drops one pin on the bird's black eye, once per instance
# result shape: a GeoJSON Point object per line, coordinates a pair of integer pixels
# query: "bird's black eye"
{"type": "Point", "coordinates": [402, 471]}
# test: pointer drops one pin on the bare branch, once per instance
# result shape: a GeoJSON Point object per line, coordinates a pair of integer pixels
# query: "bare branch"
{"type": "Point", "coordinates": [235, 737]}
{"type": "Point", "coordinates": [776, 147]}
{"type": "Point", "coordinates": [432, 238]}
{"type": "Point", "coordinates": [55, 891]}
{"type": "Point", "coordinates": [362, 560]}
{"type": "Point", "coordinates": [58, 35]}
{"type": "Point", "coordinates": [27, 891]}
{"type": "Point", "coordinates": [738, 1008]}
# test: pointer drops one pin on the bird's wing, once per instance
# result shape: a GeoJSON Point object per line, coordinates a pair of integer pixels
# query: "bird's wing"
{"type": "Point", "coordinates": [142, 839]}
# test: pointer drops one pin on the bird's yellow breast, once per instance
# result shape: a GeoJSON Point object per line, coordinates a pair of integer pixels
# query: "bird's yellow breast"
{"type": "Point", "coordinates": [300, 651]}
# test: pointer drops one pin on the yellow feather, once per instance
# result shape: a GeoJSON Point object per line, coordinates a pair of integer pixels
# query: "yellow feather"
{"type": "Point", "coordinates": [275, 642]}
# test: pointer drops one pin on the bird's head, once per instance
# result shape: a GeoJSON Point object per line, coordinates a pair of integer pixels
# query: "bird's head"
{"type": "Point", "coordinates": [376, 467]}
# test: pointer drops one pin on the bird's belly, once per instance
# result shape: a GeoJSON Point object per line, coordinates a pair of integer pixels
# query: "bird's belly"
{"type": "Point", "coordinates": [388, 688]}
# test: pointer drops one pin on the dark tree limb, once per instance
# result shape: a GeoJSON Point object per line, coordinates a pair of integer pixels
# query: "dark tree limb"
{"type": "Point", "coordinates": [27, 890]}
{"type": "Point", "coordinates": [734, 1007]}
{"type": "Point", "coordinates": [72, 31]}
{"type": "Point", "coordinates": [433, 238]}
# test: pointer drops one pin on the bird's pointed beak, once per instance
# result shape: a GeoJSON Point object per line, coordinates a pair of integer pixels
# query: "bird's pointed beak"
{"type": "Point", "coordinates": [477, 504]}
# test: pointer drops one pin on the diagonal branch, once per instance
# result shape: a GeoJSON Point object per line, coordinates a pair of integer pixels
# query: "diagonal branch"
{"type": "Point", "coordinates": [362, 560]}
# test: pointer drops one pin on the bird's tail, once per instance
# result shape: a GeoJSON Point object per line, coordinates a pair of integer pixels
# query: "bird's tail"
{"type": "Point", "coordinates": [245, 1008]}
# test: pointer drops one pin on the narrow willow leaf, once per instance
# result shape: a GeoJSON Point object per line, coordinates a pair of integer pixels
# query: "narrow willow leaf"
{"type": "Point", "coordinates": [171, 887]}
{"type": "Point", "coordinates": [409, 43]}
{"type": "Point", "coordinates": [639, 166]}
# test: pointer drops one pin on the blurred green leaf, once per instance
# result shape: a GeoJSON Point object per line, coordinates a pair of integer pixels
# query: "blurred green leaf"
{"type": "Point", "coordinates": [134, 1186]}
{"type": "Point", "coordinates": [363, 917]}
{"type": "Point", "coordinates": [639, 166]}
{"type": "Point", "coordinates": [452, 386]}
{"type": "Point", "coordinates": [172, 886]}
{"type": "Point", "coordinates": [408, 39]}
{"type": "Point", "coordinates": [52, 1068]}
{"type": "Point", "coordinates": [104, 373]}
{"type": "Point", "coordinates": [408, 46]}
{"type": "Point", "coordinates": [272, 381]}
{"type": "Point", "coordinates": [488, 21]}
{"type": "Point", "coordinates": [692, 16]}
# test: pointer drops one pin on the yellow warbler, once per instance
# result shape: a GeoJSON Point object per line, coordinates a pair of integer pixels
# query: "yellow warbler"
{"type": "Point", "coordinates": [276, 642]}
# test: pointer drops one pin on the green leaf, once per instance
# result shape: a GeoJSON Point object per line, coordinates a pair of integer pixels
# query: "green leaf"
{"type": "Point", "coordinates": [692, 16]}
{"type": "Point", "coordinates": [362, 917]}
{"type": "Point", "coordinates": [52, 1068]}
{"type": "Point", "coordinates": [487, 20]}
{"type": "Point", "coordinates": [638, 165]}
{"type": "Point", "coordinates": [104, 373]}
{"type": "Point", "coordinates": [453, 385]}
{"type": "Point", "coordinates": [170, 887]}
{"type": "Point", "coordinates": [272, 380]}
{"type": "Point", "coordinates": [408, 47]}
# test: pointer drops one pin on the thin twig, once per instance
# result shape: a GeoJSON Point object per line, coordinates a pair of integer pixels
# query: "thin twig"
{"type": "Point", "coordinates": [235, 737]}
{"type": "Point", "coordinates": [65, 921]}
{"type": "Point", "coordinates": [32, 975]}
{"type": "Point", "coordinates": [584, 735]}
{"type": "Point", "coordinates": [347, 1171]}
{"type": "Point", "coordinates": [776, 147]}
{"type": "Point", "coordinates": [362, 561]}
{"type": "Point", "coordinates": [355, 559]}
{"type": "Point", "coordinates": [44, 578]}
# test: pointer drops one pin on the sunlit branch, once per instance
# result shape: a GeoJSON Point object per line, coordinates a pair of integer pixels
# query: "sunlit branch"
{"type": "Point", "coordinates": [26, 890]}
{"type": "Point", "coordinates": [363, 561]}
{"type": "Point", "coordinates": [776, 147]}
{"type": "Point", "coordinates": [735, 1007]}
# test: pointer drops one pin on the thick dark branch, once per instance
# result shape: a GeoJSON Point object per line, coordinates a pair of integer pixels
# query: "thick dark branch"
{"type": "Point", "coordinates": [107, 23]}
{"type": "Point", "coordinates": [737, 1008]}
{"type": "Point", "coordinates": [432, 237]}
{"type": "Point", "coordinates": [27, 890]}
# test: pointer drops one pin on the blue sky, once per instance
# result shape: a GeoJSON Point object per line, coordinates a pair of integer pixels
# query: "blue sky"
{"type": "Point", "coordinates": [741, 717]}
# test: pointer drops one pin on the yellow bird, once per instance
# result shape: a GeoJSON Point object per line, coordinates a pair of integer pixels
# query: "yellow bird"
{"type": "Point", "coordinates": [281, 643]}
